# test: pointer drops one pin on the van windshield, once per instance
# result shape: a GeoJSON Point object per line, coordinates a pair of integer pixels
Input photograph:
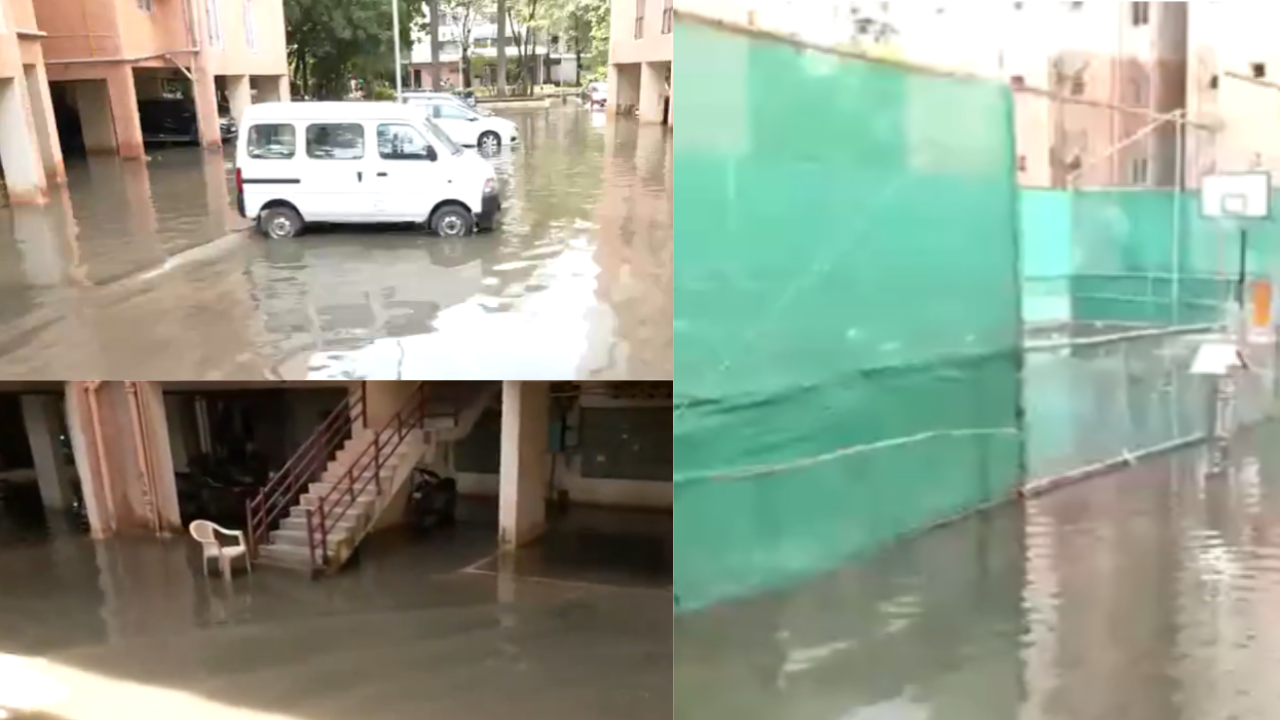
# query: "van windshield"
{"type": "Point", "coordinates": [441, 138]}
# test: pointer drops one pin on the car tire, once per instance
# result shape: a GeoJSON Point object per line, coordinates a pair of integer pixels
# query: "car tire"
{"type": "Point", "coordinates": [281, 223]}
{"type": "Point", "coordinates": [489, 143]}
{"type": "Point", "coordinates": [452, 221]}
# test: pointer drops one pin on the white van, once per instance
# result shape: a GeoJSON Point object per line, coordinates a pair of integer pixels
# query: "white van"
{"type": "Point", "coordinates": [357, 162]}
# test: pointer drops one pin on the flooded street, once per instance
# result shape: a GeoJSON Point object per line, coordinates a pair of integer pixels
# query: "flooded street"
{"type": "Point", "coordinates": [408, 632]}
{"type": "Point", "coordinates": [130, 273]}
{"type": "Point", "coordinates": [1147, 595]}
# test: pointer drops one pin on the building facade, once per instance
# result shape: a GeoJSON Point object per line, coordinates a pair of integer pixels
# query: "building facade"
{"type": "Point", "coordinates": [640, 54]}
{"type": "Point", "coordinates": [82, 66]}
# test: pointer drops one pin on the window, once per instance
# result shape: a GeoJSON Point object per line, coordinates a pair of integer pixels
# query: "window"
{"type": "Point", "coordinates": [401, 142]}
{"type": "Point", "coordinates": [214, 8]}
{"type": "Point", "coordinates": [441, 139]}
{"type": "Point", "coordinates": [639, 19]}
{"type": "Point", "coordinates": [335, 141]}
{"type": "Point", "coordinates": [145, 6]}
{"type": "Point", "coordinates": [1259, 70]}
{"type": "Point", "coordinates": [1213, 82]}
{"type": "Point", "coordinates": [449, 111]}
{"type": "Point", "coordinates": [417, 78]}
{"type": "Point", "coordinates": [1022, 163]}
{"type": "Point", "coordinates": [1139, 170]}
{"type": "Point", "coordinates": [1077, 86]}
{"type": "Point", "coordinates": [1140, 13]}
{"type": "Point", "coordinates": [272, 142]}
{"type": "Point", "coordinates": [668, 16]}
{"type": "Point", "coordinates": [1018, 81]}
{"type": "Point", "coordinates": [250, 27]}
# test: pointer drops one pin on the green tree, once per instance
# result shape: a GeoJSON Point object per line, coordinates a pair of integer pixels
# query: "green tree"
{"type": "Point", "coordinates": [329, 41]}
{"type": "Point", "coordinates": [466, 14]}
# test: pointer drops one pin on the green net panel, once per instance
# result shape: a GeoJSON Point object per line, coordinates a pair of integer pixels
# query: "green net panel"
{"type": "Point", "coordinates": [847, 307]}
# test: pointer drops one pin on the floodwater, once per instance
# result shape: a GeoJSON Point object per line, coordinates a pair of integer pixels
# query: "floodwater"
{"type": "Point", "coordinates": [1151, 594]}
{"type": "Point", "coordinates": [131, 628]}
{"type": "Point", "coordinates": [131, 273]}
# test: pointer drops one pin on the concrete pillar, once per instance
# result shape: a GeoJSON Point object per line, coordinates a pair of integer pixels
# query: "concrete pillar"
{"type": "Point", "coordinates": [653, 90]}
{"type": "Point", "coordinates": [624, 88]}
{"type": "Point", "coordinates": [124, 113]}
{"type": "Point", "coordinates": [671, 94]}
{"type": "Point", "coordinates": [206, 97]}
{"type": "Point", "coordinates": [46, 239]}
{"type": "Point", "coordinates": [46, 127]}
{"type": "Point", "coordinates": [93, 99]}
{"type": "Point", "coordinates": [19, 146]}
{"type": "Point", "coordinates": [41, 414]}
{"type": "Point", "coordinates": [523, 472]}
{"type": "Point", "coordinates": [273, 88]}
{"type": "Point", "coordinates": [119, 436]}
{"type": "Point", "coordinates": [240, 94]}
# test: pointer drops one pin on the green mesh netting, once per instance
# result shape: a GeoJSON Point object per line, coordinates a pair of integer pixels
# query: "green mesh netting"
{"type": "Point", "coordinates": [847, 317]}
{"type": "Point", "coordinates": [1134, 256]}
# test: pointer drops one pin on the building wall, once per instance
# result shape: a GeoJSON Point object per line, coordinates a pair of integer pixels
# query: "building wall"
{"type": "Point", "coordinates": [1226, 40]}
{"type": "Point", "coordinates": [654, 46]}
{"type": "Point", "coordinates": [79, 28]}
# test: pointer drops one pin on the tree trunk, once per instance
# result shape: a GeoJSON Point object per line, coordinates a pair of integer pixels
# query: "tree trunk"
{"type": "Point", "coordinates": [433, 7]}
{"type": "Point", "coordinates": [502, 48]}
{"type": "Point", "coordinates": [466, 68]}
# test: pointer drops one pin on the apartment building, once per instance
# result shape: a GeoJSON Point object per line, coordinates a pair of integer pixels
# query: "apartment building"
{"type": "Point", "coordinates": [1117, 71]}
{"type": "Point", "coordinates": [82, 67]}
{"type": "Point", "coordinates": [640, 53]}
{"type": "Point", "coordinates": [1233, 88]}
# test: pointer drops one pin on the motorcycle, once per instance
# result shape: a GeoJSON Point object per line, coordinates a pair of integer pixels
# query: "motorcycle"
{"type": "Point", "coordinates": [433, 500]}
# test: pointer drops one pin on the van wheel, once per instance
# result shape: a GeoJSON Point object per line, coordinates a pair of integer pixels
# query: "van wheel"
{"type": "Point", "coordinates": [452, 221]}
{"type": "Point", "coordinates": [489, 143]}
{"type": "Point", "coordinates": [280, 223]}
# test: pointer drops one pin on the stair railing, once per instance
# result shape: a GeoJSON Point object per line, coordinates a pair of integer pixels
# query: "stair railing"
{"type": "Point", "coordinates": [285, 486]}
{"type": "Point", "coordinates": [346, 490]}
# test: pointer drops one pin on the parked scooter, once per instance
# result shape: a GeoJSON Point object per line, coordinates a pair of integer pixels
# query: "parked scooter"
{"type": "Point", "coordinates": [433, 500]}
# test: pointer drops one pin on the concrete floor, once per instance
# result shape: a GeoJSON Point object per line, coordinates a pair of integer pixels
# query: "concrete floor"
{"type": "Point", "coordinates": [416, 628]}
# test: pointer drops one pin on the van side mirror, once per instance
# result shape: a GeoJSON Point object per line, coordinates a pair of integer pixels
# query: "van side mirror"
{"type": "Point", "coordinates": [431, 153]}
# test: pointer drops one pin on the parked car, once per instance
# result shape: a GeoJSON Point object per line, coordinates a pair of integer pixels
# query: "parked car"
{"type": "Point", "coordinates": [367, 162]}
{"type": "Point", "coordinates": [596, 95]}
{"type": "Point", "coordinates": [174, 120]}
{"type": "Point", "coordinates": [487, 133]}
{"type": "Point", "coordinates": [419, 97]}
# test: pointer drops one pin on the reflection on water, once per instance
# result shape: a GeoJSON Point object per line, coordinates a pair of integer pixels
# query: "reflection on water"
{"type": "Point", "coordinates": [1148, 594]}
{"type": "Point", "coordinates": [576, 283]}
{"type": "Point", "coordinates": [132, 623]}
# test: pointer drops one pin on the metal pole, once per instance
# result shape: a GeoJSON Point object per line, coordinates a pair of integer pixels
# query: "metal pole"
{"type": "Point", "coordinates": [395, 30]}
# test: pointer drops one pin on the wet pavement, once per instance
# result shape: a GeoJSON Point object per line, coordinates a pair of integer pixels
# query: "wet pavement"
{"type": "Point", "coordinates": [1150, 594]}
{"type": "Point", "coordinates": [124, 274]}
{"type": "Point", "coordinates": [130, 628]}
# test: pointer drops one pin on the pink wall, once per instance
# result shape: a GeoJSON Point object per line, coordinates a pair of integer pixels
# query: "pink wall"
{"type": "Point", "coordinates": [161, 30]}
{"type": "Point", "coordinates": [655, 46]}
{"type": "Point", "coordinates": [78, 28]}
{"type": "Point", "coordinates": [234, 56]}
{"type": "Point", "coordinates": [22, 15]}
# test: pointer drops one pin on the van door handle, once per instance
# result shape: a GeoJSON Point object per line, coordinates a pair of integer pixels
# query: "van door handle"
{"type": "Point", "coordinates": [382, 174]}
{"type": "Point", "coordinates": [359, 176]}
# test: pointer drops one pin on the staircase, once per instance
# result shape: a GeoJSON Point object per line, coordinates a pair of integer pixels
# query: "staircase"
{"type": "Point", "coordinates": [314, 512]}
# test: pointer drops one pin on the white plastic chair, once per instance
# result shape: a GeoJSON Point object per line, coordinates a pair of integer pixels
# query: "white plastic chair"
{"type": "Point", "coordinates": [206, 533]}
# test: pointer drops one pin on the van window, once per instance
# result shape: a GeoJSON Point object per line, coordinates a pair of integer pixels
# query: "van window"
{"type": "Point", "coordinates": [401, 142]}
{"type": "Point", "coordinates": [272, 142]}
{"type": "Point", "coordinates": [335, 141]}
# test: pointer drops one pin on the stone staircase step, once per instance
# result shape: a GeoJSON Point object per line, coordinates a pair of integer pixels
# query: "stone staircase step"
{"type": "Point", "coordinates": [298, 538]}
{"type": "Point", "coordinates": [286, 557]}
{"type": "Point", "coordinates": [352, 514]}
{"type": "Point", "coordinates": [299, 523]}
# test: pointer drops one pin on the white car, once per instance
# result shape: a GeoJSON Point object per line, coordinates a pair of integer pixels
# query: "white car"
{"type": "Point", "coordinates": [486, 133]}
{"type": "Point", "coordinates": [358, 162]}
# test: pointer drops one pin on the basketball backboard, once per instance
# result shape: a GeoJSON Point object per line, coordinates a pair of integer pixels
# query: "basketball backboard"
{"type": "Point", "coordinates": [1236, 195]}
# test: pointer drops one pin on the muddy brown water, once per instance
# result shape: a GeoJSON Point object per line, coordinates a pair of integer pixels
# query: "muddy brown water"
{"type": "Point", "coordinates": [123, 275]}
